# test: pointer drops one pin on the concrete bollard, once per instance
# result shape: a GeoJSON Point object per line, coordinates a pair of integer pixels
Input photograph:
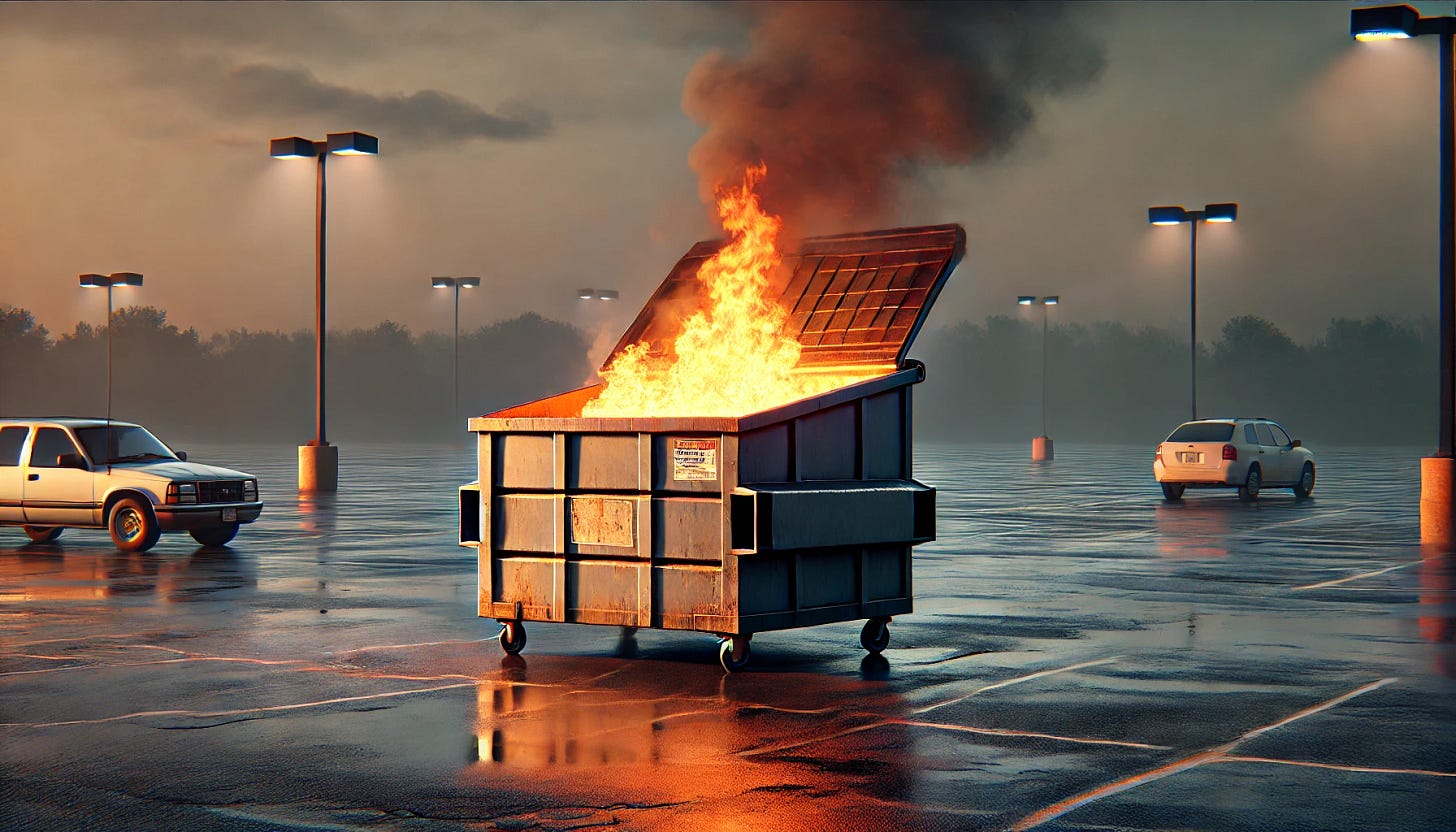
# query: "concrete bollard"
{"type": "Point", "coordinates": [1041, 449]}
{"type": "Point", "coordinates": [318, 467]}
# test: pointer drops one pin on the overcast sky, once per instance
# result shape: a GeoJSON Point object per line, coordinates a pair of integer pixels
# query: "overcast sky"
{"type": "Point", "coordinates": [546, 148]}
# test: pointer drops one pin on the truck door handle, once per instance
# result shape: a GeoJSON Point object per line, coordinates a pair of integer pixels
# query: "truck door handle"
{"type": "Point", "coordinates": [33, 477]}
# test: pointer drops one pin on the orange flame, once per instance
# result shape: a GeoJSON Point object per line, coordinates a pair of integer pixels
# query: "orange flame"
{"type": "Point", "coordinates": [734, 357]}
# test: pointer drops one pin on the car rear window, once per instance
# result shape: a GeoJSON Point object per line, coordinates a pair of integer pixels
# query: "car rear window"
{"type": "Point", "coordinates": [11, 439]}
{"type": "Point", "coordinates": [1203, 432]}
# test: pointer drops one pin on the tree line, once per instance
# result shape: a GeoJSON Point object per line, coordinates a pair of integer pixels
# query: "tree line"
{"type": "Point", "coordinates": [1370, 381]}
{"type": "Point", "coordinates": [1366, 381]}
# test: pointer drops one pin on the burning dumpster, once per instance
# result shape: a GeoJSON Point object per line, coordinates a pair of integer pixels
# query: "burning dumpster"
{"type": "Point", "coordinates": [797, 514]}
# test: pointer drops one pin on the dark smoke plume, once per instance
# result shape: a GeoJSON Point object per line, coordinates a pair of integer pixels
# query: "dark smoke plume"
{"type": "Point", "coordinates": [844, 100]}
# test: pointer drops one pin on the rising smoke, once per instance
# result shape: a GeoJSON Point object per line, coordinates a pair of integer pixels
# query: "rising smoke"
{"type": "Point", "coordinates": [845, 101]}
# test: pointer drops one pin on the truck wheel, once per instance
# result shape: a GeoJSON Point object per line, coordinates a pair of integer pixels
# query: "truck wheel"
{"type": "Point", "coordinates": [1306, 481]}
{"type": "Point", "coordinates": [215, 535]}
{"type": "Point", "coordinates": [512, 637]}
{"type": "Point", "coordinates": [133, 526]}
{"type": "Point", "coordinates": [42, 534]}
{"type": "Point", "coordinates": [733, 653]}
{"type": "Point", "coordinates": [875, 636]}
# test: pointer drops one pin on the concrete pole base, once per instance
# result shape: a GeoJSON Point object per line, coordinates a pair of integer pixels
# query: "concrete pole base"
{"type": "Point", "coordinates": [318, 467]}
{"type": "Point", "coordinates": [1041, 449]}
{"type": "Point", "coordinates": [1438, 512]}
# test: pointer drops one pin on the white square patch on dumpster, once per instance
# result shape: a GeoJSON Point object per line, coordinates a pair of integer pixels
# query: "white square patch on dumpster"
{"type": "Point", "coordinates": [695, 459]}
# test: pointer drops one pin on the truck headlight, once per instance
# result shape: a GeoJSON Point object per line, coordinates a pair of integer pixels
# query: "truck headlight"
{"type": "Point", "coordinates": [250, 491]}
{"type": "Point", "coordinates": [181, 493]}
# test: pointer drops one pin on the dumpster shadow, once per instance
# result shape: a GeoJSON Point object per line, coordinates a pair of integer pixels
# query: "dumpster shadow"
{"type": "Point", "coordinates": [687, 738]}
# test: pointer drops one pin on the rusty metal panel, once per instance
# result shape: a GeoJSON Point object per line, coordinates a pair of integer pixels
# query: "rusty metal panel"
{"type": "Point", "coordinates": [792, 516]}
{"type": "Point", "coordinates": [602, 522]}
{"type": "Point", "coordinates": [523, 460]}
{"type": "Point", "coordinates": [687, 463]}
{"type": "Point", "coordinates": [883, 427]}
{"type": "Point", "coordinates": [826, 444]}
{"type": "Point", "coordinates": [852, 298]}
{"type": "Point", "coordinates": [765, 585]}
{"type": "Point", "coordinates": [687, 528]}
{"type": "Point", "coordinates": [529, 582]}
{"type": "Point", "coordinates": [602, 462]}
{"type": "Point", "coordinates": [680, 591]}
{"type": "Point", "coordinates": [525, 522]}
{"type": "Point", "coordinates": [604, 592]}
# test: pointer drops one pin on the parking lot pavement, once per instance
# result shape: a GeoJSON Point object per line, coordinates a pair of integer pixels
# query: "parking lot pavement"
{"type": "Point", "coordinates": [1082, 656]}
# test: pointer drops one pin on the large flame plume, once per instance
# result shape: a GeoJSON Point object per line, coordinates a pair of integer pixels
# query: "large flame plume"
{"type": "Point", "coordinates": [732, 357]}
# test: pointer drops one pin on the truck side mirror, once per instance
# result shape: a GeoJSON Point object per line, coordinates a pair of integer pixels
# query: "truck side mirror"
{"type": "Point", "coordinates": [71, 460]}
{"type": "Point", "coordinates": [181, 455]}
{"type": "Point", "coordinates": [1298, 444]}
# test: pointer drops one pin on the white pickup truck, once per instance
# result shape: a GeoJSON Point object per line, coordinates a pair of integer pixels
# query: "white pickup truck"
{"type": "Point", "coordinates": [98, 474]}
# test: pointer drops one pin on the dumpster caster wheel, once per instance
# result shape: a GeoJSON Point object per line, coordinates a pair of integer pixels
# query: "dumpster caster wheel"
{"type": "Point", "coordinates": [875, 636]}
{"type": "Point", "coordinates": [512, 637]}
{"type": "Point", "coordinates": [733, 652]}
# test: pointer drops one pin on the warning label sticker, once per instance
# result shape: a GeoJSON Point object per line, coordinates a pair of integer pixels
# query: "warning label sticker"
{"type": "Point", "coordinates": [695, 459]}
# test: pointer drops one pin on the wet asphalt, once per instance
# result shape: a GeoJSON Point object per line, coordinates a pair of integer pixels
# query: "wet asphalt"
{"type": "Point", "coordinates": [1082, 656]}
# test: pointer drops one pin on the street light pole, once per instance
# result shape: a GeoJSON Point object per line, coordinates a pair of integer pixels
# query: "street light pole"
{"type": "Point", "coordinates": [318, 461]}
{"type": "Point", "coordinates": [1175, 215]}
{"type": "Point", "coordinates": [456, 283]}
{"type": "Point", "coordinates": [109, 282]}
{"type": "Point", "coordinates": [1438, 473]}
{"type": "Point", "coordinates": [1041, 446]}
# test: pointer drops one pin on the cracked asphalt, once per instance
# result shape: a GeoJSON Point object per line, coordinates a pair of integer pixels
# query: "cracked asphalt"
{"type": "Point", "coordinates": [1082, 656]}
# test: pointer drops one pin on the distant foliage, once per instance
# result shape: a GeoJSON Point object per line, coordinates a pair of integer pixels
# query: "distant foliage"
{"type": "Point", "coordinates": [1370, 381]}
{"type": "Point", "coordinates": [383, 383]}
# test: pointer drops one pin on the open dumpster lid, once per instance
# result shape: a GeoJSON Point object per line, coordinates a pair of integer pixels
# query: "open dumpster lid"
{"type": "Point", "coordinates": [852, 299]}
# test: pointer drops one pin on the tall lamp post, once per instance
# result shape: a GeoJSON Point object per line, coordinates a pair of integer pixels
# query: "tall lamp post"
{"type": "Point", "coordinates": [1174, 215]}
{"type": "Point", "coordinates": [457, 283]}
{"type": "Point", "coordinates": [318, 461]}
{"type": "Point", "coordinates": [1438, 473]}
{"type": "Point", "coordinates": [109, 282]}
{"type": "Point", "coordinates": [1041, 446]}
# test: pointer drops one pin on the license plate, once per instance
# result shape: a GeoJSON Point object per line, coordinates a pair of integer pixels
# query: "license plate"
{"type": "Point", "coordinates": [1190, 456]}
{"type": "Point", "coordinates": [229, 515]}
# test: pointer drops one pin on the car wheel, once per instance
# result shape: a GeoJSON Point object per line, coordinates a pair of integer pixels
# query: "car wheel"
{"type": "Point", "coordinates": [215, 535]}
{"type": "Point", "coordinates": [1172, 491]}
{"type": "Point", "coordinates": [133, 526]}
{"type": "Point", "coordinates": [1306, 481]}
{"type": "Point", "coordinates": [1250, 489]}
{"type": "Point", "coordinates": [42, 534]}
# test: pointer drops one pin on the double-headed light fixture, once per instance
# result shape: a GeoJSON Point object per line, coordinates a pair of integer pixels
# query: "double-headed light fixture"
{"type": "Point", "coordinates": [109, 282]}
{"type": "Point", "coordinates": [1176, 215]}
{"type": "Point", "coordinates": [1438, 473]}
{"type": "Point", "coordinates": [456, 283]}
{"type": "Point", "coordinates": [596, 294]}
{"type": "Point", "coordinates": [318, 462]}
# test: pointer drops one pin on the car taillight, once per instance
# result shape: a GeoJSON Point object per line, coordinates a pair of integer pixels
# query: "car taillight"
{"type": "Point", "coordinates": [1158, 454]}
{"type": "Point", "coordinates": [1230, 452]}
{"type": "Point", "coordinates": [181, 492]}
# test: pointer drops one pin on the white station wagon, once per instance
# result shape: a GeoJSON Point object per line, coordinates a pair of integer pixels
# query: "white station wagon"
{"type": "Point", "coordinates": [1247, 454]}
{"type": "Point", "coordinates": [90, 473]}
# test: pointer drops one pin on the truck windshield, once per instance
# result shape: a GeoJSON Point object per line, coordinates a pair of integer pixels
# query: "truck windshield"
{"type": "Point", "coordinates": [128, 444]}
{"type": "Point", "coordinates": [1202, 432]}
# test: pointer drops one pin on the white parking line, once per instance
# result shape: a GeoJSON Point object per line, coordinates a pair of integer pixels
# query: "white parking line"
{"type": "Point", "coordinates": [1339, 581]}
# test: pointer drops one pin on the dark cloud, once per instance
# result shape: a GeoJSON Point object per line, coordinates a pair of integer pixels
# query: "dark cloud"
{"type": "Point", "coordinates": [427, 116]}
{"type": "Point", "coordinates": [844, 100]}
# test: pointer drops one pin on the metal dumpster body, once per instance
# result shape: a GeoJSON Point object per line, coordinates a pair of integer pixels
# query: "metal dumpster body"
{"type": "Point", "coordinates": [798, 515]}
